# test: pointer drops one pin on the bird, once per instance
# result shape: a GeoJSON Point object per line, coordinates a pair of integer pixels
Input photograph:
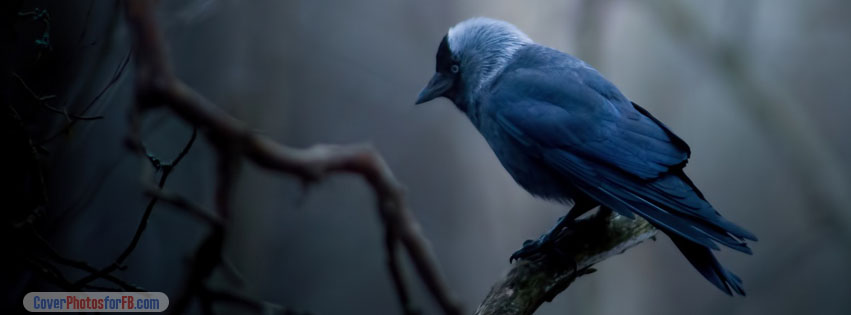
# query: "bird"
{"type": "Point", "coordinates": [566, 134]}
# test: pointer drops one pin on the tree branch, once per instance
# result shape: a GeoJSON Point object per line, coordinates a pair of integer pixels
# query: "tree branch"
{"type": "Point", "coordinates": [54, 255]}
{"type": "Point", "coordinates": [531, 283]}
{"type": "Point", "coordinates": [42, 100]}
{"type": "Point", "coordinates": [143, 223]}
{"type": "Point", "coordinates": [156, 86]}
{"type": "Point", "coordinates": [116, 75]}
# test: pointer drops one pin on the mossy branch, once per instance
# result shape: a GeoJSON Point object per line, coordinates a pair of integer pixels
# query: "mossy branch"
{"type": "Point", "coordinates": [530, 283]}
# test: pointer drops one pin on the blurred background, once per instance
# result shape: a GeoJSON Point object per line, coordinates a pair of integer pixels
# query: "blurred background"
{"type": "Point", "coordinates": [759, 89]}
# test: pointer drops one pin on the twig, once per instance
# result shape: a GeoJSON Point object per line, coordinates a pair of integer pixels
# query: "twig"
{"type": "Point", "coordinates": [116, 75]}
{"type": "Point", "coordinates": [42, 100]}
{"type": "Point", "coordinates": [157, 86]}
{"type": "Point", "coordinates": [81, 265]}
{"type": "Point", "coordinates": [184, 205]}
{"type": "Point", "coordinates": [531, 283]}
{"type": "Point", "coordinates": [396, 273]}
{"type": "Point", "coordinates": [143, 223]}
{"type": "Point", "coordinates": [50, 272]}
{"type": "Point", "coordinates": [40, 14]}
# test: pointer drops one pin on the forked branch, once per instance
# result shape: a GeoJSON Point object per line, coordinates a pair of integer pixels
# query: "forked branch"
{"type": "Point", "coordinates": [156, 86]}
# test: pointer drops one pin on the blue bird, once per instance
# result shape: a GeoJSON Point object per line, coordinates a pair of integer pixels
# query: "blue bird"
{"type": "Point", "coordinates": [567, 134]}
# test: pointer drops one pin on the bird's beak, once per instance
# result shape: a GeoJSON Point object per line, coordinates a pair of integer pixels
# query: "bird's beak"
{"type": "Point", "coordinates": [439, 84]}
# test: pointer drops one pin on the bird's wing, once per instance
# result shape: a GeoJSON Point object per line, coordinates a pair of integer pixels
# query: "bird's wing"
{"type": "Point", "coordinates": [611, 149]}
{"type": "Point", "coordinates": [562, 102]}
{"type": "Point", "coordinates": [578, 118]}
{"type": "Point", "coordinates": [608, 164]}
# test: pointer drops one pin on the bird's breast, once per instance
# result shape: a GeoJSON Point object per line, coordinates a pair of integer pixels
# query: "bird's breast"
{"type": "Point", "coordinates": [524, 166]}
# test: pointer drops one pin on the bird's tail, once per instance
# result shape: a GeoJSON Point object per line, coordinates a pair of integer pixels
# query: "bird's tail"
{"type": "Point", "coordinates": [705, 262]}
{"type": "Point", "coordinates": [674, 205]}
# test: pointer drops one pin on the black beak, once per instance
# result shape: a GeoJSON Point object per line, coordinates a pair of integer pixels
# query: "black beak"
{"type": "Point", "coordinates": [439, 84]}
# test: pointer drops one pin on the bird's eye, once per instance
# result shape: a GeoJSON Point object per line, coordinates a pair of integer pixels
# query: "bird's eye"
{"type": "Point", "coordinates": [454, 68]}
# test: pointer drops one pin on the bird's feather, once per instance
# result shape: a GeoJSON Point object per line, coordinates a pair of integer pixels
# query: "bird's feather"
{"type": "Point", "coordinates": [566, 116]}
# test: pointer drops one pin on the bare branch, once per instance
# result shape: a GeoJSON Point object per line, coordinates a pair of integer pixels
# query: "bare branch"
{"type": "Point", "coordinates": [157, 86]}
{"type": "Point", "coordinates": [54, 255]}
{"type": "Point", "coordinates": [589, 241]}
{"type": "Point", "coordinates": [42, 100]}
{"type": "Point", "coordinates": [184, 205]}
{"type": "Point", "coordinates": [396, 273]}
{"type": "Point", "coordinates": [143, 223]}
{"type": "Point", "coordinates": [116, 75]}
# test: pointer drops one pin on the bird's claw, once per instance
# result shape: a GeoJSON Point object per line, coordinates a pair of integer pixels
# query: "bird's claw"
{"type": "Point", "coordinates": [532, 248]}
{"type": "Point", "coordinates": [547, 246]}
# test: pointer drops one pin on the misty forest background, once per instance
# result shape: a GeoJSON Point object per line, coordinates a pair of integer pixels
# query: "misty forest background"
{"type": "Point", "coordinates": [760, 90]}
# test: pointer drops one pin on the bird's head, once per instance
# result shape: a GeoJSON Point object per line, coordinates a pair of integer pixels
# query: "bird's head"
{"type": "Point", "coordinates": [469, 55]}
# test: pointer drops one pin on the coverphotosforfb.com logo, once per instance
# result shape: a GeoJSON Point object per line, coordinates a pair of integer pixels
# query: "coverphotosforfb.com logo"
{"type": "Point", "coordinates": [95, 302]}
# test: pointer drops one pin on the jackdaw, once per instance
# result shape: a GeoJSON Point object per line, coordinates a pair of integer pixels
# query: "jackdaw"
{"type": "Point", "coordinates": [567, 134]}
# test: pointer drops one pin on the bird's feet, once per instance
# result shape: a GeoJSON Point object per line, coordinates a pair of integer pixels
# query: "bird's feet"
{"type": "Point", "coordinates": [533, 248]}
{"type": "Point", "coordinates": [548, 245]}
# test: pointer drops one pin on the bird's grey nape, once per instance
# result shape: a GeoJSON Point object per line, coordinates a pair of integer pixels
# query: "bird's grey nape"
{"type": "Point", "coordinates": [484, 46]}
